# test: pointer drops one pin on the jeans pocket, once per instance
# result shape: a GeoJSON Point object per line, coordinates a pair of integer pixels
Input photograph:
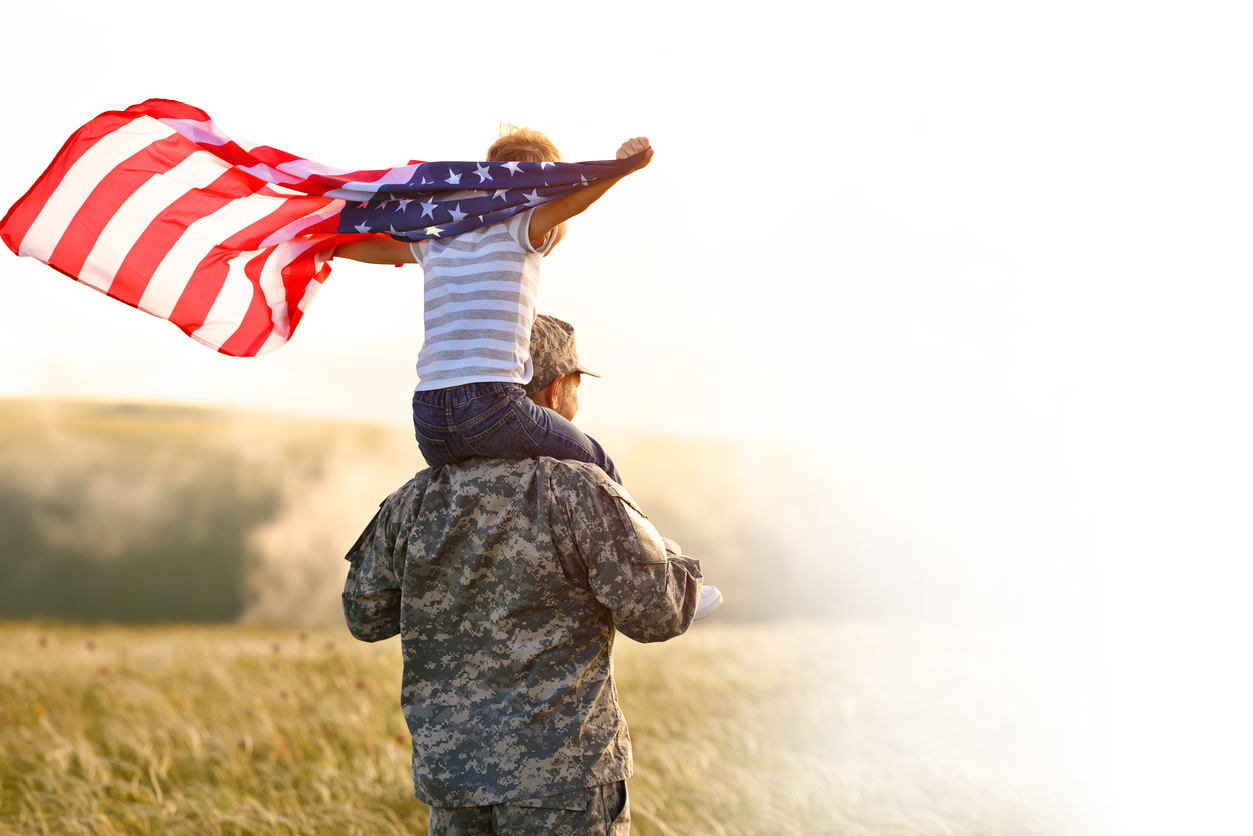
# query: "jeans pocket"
{"type": "Point", "coordinates": [434, 450]}
{"type": "Point", "coordinates": [506, 438]}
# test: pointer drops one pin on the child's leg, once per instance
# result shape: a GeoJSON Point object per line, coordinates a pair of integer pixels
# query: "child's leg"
{"type": "Point", "coordinates": [555, 436]}
{"type": "Point", "coordinates": [455, 424]}
{"type": "Point", "coordinates": [499, 421]}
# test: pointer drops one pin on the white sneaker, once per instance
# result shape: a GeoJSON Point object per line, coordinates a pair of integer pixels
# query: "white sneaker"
{"type": "Point", "coordinates": [710, 600]}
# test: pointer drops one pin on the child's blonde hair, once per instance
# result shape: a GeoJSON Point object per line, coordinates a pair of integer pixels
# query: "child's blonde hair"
{"type": "Point", "coordinates": [522, 145]}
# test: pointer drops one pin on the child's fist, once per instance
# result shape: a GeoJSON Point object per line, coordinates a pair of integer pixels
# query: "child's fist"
{"type": "Point", "coordinates": [633, 146]}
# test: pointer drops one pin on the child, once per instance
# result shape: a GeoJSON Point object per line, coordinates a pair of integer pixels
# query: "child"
{"type": "Point", "coordinates": [480, 291]}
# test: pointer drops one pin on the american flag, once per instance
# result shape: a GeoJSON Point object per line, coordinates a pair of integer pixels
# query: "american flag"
{"type": "Point", "coordinates": [156, 207]}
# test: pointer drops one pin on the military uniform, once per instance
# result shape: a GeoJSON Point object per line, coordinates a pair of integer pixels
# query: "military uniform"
{"type": "Point", "coordinates": [507, 580]}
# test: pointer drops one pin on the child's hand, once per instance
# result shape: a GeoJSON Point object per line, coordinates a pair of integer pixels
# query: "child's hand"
{"type": "Point", "coordinates": [632, 147]}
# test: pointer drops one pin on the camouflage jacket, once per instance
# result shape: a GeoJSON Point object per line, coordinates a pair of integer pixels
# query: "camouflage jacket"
{"type": "Point", "coordinates": [506, 580]}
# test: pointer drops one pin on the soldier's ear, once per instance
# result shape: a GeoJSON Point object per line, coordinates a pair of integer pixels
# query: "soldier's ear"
{"type": "Point", "coordinates": [552, 394]}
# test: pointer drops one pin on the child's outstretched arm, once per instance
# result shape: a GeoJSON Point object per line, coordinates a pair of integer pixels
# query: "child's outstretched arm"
{"type": "Point", "coordinates": [377, 249]}
{"type": "Point", "coordinates": [549, 216]}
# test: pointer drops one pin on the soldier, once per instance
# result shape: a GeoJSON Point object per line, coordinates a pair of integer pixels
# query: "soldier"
{"type": "Point", "coordinates": [507, 580]}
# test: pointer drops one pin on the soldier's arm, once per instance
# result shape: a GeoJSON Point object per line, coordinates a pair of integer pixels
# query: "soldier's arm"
{"type": "Point", "coordinates": [372, 590]}
{"type": "Point", "coordinates": [651, 589]}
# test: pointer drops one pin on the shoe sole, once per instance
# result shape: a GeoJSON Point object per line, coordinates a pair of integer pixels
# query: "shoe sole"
{"type": "Point", "coordinates": [706, 608]}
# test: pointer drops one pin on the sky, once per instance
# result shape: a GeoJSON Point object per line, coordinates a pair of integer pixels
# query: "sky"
{"type": "Point", "coordinates": [1001, 247]}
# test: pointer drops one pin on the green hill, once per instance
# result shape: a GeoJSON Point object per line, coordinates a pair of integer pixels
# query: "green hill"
{"type": "Point", "coordinates": [127, 512]}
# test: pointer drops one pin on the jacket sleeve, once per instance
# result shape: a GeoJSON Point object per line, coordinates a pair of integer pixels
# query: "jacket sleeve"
{"type": "Point", "coordinates": [372, 590]}
{"type": "Point", "coordinates": [650, 588]}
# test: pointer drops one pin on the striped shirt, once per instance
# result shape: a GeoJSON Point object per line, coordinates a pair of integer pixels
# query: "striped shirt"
{"type": "Point", "coordinates": [479, 299]}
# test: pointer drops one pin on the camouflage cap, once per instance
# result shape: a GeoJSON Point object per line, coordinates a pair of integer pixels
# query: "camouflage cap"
{"type": "Point", "coordinates": [552, 352]}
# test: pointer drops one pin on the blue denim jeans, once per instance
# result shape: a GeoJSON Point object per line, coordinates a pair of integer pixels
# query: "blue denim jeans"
{"type": "Point", "coordinates": [499, 421]}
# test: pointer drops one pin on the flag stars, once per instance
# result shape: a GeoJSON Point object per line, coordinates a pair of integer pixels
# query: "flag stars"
{"type": "Point", "coordinates": [441, 198]}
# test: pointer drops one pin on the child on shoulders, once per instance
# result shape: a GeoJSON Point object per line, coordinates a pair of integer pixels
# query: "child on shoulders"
{"type": "Point", "coordinates": [479, 308]}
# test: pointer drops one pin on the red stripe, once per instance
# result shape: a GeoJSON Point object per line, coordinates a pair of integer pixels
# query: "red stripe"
{"type": "Point", "coordinates": [165, 230]}
{"type": "Point", "coordinates": [22, 215]}
{"type": "Point", "coordinates": [202, 291]}
{"type": "Point", "coordinates": [234, 154]}
{"type": "Point", "coordinates": [291, 210]}
{"type": "Point", "coordinates": [168, 109]}
{"type": "Point", "coordinates": [315, 184]}
{"type": "Point", "coordinates": [108, 196]}
{"type": "Point", "coordinates": [318, 183]}
{"type": "Point", "coordinates": [295, 313]}
{"type": "Point", "coordinates": [326, 226]}
{"type": "Point", "coordinates": [256, 325]}
{"type": "Point", "coordinates": [298, 275]}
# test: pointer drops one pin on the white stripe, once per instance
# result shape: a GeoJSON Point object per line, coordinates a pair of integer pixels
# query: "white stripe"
{"type": "Point", "coordinates": [522, 331]}
{"type": "Point", "coordinates": [270, 175]}
{"type": "Point", "coordinates": [197, 241]}
{"type": "Point", "coordinates": [364, 188]}
{"type": "Point", "coordinates": [276, 292]}
{"type": "Point", "coordinates": [230, 305]}
{"type": "Point", "coordinates": [305, 169]}
{"type": "Point", "coordinates": [462, 270]}
{"type": "Point", "coordinates": [278, 336]}
{"type": "Point", "coordinates": [284, 190]}
{"type": "Point", "coordinates": [133, 217]}
{"type": "Point", "coordinates": [197, 130]}
{"type": "Point", "coordinates": [487, 343]}
{"type": "Point", "coordinates": [297, 226]}
{"type": "Point", "coordinates": [438, 292]}
{"type": "Point", "coordinates": [459, 365]}
{"type": "Point", "coordinates": [44, 234]}
{"type": "Point", "coordinates": [480, 305]}
{"type": "Point", "coordinates": [311, 290]}
{"type": "Point", "coordinates": [275, 340]}
{"type": "Point", "coordinates": [476, 243]}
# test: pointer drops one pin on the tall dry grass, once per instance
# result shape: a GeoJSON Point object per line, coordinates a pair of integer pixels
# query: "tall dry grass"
{"type": "Point", "coordinates": [785, 729]}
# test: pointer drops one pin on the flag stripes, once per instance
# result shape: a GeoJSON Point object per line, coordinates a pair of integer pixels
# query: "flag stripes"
{"type": "Point", "coordinates": [159, 209]}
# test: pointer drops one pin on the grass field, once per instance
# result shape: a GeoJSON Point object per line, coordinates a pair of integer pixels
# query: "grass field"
{"type": "Point", "coordinates": [738, 729]}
